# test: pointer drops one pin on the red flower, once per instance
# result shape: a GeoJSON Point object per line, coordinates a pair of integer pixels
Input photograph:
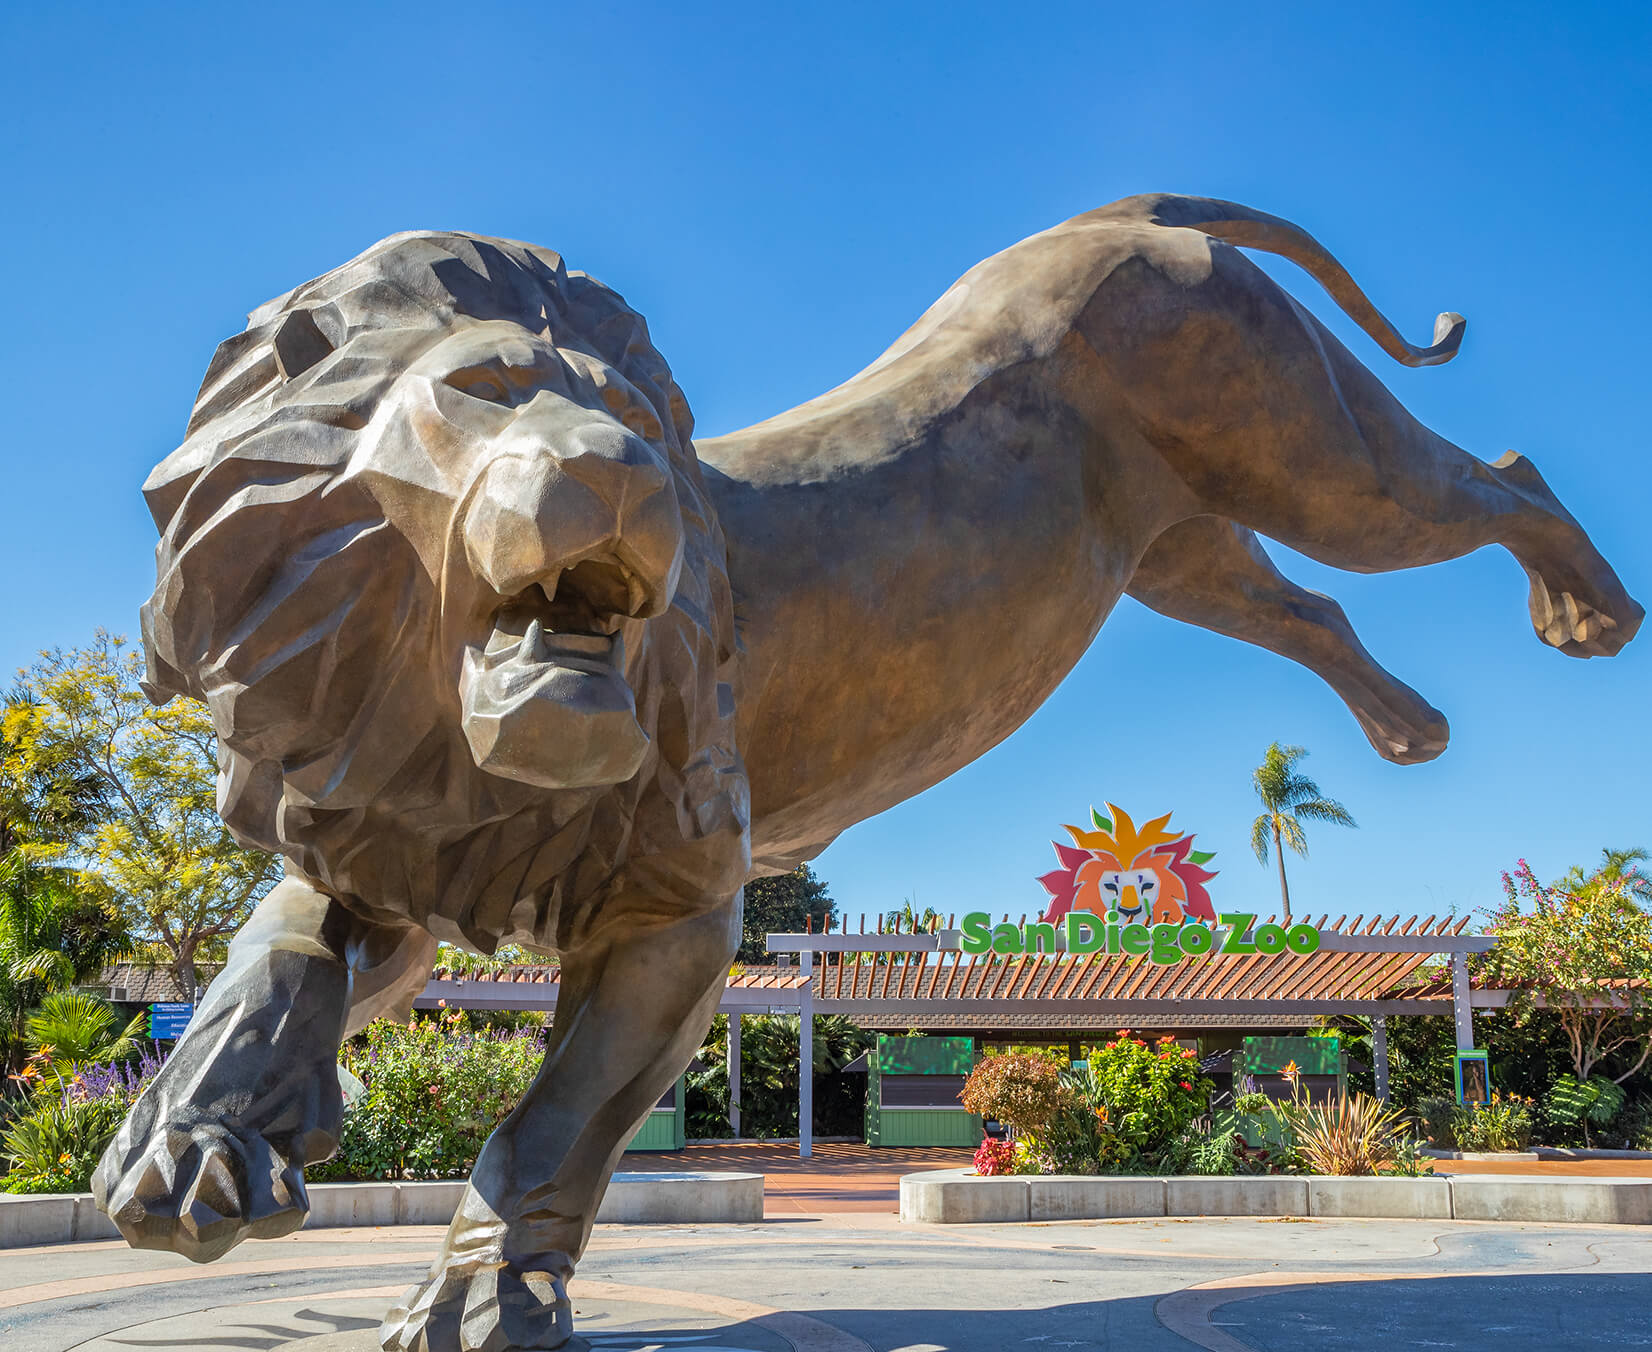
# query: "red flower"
{"type": "Point", "coordinates": [1186, 1085]}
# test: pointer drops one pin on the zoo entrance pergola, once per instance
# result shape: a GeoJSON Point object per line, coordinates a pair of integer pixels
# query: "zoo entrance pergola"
{"type": "Point", "coordinates": [902, 980]}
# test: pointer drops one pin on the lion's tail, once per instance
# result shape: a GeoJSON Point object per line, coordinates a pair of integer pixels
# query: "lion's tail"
{"type": "Point", "coordinates": [1234, 224]}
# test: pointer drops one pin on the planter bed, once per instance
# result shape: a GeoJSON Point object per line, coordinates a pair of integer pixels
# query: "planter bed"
{"type": "Point", "coordinates": [955, 1196]}
{"type": "Point", "coordinates": [667, 1198]}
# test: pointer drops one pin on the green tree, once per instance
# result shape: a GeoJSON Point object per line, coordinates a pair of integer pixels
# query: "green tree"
{"type": "Point", "coordinates": [786, 904]}
{"type": "Point", "coordinates": [55, 927]}
{"type": "Point", "coordinates": [53, 932]}
{"type": "Point", "coordinates": [157, 844]}
{"type": "Point", "coordinates": [908, 919]}
{"type": "Point", "coordinates": [1615, 866]}
{"type": "Point", "coordinates": [1587, 951]}
{"type": "Point", "coordinates": [1288, 799]}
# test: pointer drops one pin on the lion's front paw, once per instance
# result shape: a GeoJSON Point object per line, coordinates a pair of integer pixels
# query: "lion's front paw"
{"type": "Point", "coordinates": [198, 1191]}
{"type": "Point", "coordinates": [480, 1306]}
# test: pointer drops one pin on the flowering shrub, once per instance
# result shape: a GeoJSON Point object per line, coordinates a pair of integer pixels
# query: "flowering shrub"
{"type": "Point", "coordinates": [56, 1147]}
{"type": "Point", "coordinates": [1023, 1090]}
{"type": "Point", "coordinates": [1151, 1093]}
{"type": "Point", "coordinates": [994, 1157]}
{"type": "Point", "coordinates": [1502, 1124]}
{"type": "Point", "coordinates": [435, 1090]}
{"type": "Point", "coordinates": [60, 1133]}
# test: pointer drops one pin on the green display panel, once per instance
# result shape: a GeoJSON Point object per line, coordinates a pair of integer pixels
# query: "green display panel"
{"type": "Point", "coordinates": [664, 1127]}
{"type": "Point", "coordinates": [924, 1055]}
{"type": "Point", "coordinates": [912, 1086]}
{"type": "Point", "coordinates": [1312, 1055]}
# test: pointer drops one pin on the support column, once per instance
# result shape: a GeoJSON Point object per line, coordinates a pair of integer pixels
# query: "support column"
{"type": "Point", "coordinates": [1460, 1005]}
{"type": "Point", "coordinates": [806, 1058]}
{"type": "Point", "coordinates": [734, 1073]}
{"type": "Point", "coordinates": [1379, 1054]}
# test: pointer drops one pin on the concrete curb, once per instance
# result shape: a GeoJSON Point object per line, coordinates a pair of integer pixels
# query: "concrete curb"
{"type": "Point", "coordinates": [707, 1198]}
{"type": "Point", "coordinates": [958, 1196]}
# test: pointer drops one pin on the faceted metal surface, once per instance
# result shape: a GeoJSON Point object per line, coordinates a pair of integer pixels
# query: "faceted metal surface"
{"type": "Point", "coordinates": [491, 647]}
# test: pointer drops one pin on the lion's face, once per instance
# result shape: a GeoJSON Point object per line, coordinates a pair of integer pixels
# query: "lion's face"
{"type": "Point", "coordinates": [437, 554]}
{"type": "Point", "coordinates": [567, 541]}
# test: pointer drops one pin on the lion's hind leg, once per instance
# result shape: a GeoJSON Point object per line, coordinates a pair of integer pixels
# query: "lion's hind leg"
{"type": "Point", "coordinates": [214, 1150]}
{"type": "Point", "coordinates": [1215, 574]}
{"type": "Point", "coordinates": [1271, 422]}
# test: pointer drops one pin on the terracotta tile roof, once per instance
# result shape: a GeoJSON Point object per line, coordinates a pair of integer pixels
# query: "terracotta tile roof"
{"type": "Point", "coordinates": [1104, 977]}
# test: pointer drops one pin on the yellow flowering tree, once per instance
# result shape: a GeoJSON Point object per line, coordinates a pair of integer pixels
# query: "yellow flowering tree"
{"type": "Point", "coordinates": [156, 845]}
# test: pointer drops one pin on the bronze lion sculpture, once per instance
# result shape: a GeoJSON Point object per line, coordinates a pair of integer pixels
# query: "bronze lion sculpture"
{"type": "Point", "coordinates": [497, 654]}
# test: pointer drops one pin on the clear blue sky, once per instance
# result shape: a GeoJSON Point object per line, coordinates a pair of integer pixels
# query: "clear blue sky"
{"type": "Point", "coordinates": [782, 189]}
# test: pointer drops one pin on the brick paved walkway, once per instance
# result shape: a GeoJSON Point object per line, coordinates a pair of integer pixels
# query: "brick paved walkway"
{"type": "Point", "coordinates": [839, 1178]}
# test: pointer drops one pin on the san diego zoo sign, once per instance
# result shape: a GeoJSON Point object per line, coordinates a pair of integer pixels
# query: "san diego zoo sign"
{"type": "Point", "coordinates": [1136, 890]}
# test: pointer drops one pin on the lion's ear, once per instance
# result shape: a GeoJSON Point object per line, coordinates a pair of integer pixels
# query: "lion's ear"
{"type": "Point", "coordinates": [299, 344]}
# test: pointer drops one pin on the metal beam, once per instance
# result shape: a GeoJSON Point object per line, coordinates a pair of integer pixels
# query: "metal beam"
{"type": "Point", "coordinates": [525, 995]}
{"type": "Point", "coordinates": [1330, 941]}
{"type": "Point", "coordinates": [1462, 1002]}
{"type": "Point", "coordinates": [864, 943]}
{"type": "Point", "coordinates": [1158, 1010]}
{"type": "Point", "coordinates": [734, 1072]}
{"type": "Point", "coordinates": [1379, 1054]}
{"type": "Point", "coordinates": [806, 1059]}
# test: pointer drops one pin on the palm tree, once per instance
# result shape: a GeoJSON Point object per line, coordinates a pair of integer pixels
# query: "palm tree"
{"type": "Point", "coordinates": [1616, 866]}
{"type": "Point", "coordinates": [1288, 800]}
{"type": "Point", "coordinates": [75, 1030]}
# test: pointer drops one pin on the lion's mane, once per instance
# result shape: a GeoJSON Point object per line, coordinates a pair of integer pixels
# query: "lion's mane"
{"type": "Point", "coordinates": [288, 599]}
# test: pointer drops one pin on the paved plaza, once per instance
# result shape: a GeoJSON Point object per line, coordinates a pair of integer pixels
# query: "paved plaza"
{"type": "Point", "coordinates": [849, 1281]}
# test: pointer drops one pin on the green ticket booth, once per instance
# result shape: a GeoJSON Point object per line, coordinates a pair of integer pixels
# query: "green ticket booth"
{"type": "Point", "coordinates": [663, 1128]}
{"type": "Point", "coordinates": [912, 1086]}
{"type": "Point", "coordinates": [1321, 1067]}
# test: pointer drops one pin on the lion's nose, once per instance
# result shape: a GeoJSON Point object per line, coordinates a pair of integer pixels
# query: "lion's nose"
{"type": "Point", "coordinates": [562, 489]}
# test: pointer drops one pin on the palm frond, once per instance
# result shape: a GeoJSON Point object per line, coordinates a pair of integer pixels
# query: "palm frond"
{"type": "Point", "coordinates": [1292, 835]}
{"type": "Point", "coordinates": [1260, 830]}
{"type": "Point", "coordinates": [1325, 810]}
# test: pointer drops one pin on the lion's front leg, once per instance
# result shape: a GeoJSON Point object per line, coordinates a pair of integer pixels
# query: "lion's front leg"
{"type": "Point", "coordinates": [214, 1150]}
{"type": "Point", "coordinates": [629, 1017]}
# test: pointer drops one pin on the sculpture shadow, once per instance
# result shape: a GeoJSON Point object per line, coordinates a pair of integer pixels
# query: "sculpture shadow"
{"type": "Point", "coordinates": [1527, 1312]}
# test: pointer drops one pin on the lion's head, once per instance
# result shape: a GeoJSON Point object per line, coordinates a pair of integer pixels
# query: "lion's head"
{"type": "Point", "coordinates": [437, 554]}
{"type": "Point", "coordinates": [1148, 874]}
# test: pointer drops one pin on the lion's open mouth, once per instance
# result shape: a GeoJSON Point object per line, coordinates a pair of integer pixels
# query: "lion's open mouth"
{"type": "Point", "coordinates": [545, 698]}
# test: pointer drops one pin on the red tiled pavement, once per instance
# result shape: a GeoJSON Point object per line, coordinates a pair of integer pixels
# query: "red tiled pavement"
{"type": "Point", "coordinates": [839, 1178]}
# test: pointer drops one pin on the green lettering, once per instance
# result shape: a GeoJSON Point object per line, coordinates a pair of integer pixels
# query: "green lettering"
{"type": "Point", "coordinates": [1270, 939]}
{"type": "Point", "coordinates": [1134, 939]}
{"type": "Point", "coordinates": [1006, 938]}
{"type": "Point", "coordinates": [1303, 939]}
{"type": "Point", "coordinates": [1084, 935]}
{"type": "Point", "coordinates": [1167, 947]}
{"type": "Point", "coordinates": [1238, 924]}
{"type": "Point", "coordinates": [1196, 940]}
{"type": "Point", "coordinates": [1038, 937]}
{"type": "Point", "coordinates": [977, 935]}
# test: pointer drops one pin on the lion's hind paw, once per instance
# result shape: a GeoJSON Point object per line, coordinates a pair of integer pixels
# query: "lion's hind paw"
{"type": "Point", "coordinates": [200, 1191]}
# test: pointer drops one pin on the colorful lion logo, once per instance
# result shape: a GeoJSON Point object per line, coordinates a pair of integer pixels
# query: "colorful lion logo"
{"type": "Point", "coordinates": [1149, 874]}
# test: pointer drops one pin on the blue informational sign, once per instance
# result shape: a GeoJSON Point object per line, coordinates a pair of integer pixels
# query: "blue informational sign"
{"type": "Point", "coordinates": [168, 1020]}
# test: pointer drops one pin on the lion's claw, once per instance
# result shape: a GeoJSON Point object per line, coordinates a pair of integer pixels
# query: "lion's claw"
{"type": "Point", "coordinates": [198, 1192]}
{"type": "Point", "coordinates": [480, 1306]}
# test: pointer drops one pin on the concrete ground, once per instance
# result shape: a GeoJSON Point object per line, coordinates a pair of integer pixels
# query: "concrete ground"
{"type": "Point", "coordinates": [857, 1281]}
